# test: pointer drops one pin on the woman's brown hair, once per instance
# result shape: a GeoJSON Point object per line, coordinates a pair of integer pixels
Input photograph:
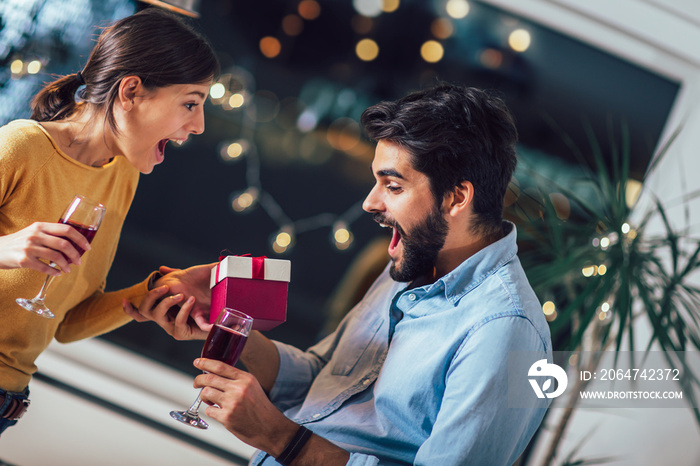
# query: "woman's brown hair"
{"type": "Point", "coordinates": [157, 46]}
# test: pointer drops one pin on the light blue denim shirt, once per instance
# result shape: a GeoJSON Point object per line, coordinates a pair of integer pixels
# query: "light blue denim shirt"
{"type": "Point", "coordinates": [421, 376]}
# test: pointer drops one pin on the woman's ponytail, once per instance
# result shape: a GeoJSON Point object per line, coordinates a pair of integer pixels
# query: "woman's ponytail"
{"type": "Point", "coordinates": [56, 100]}
{"type": "Point", "coordinates": [177, 54]}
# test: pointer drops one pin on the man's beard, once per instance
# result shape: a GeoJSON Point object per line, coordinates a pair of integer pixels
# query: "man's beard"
{"type": "Point", "coordinates": [420, 247]}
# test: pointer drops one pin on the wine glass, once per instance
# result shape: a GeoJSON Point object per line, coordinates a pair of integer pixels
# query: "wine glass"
{"type": "Point", "coordinates": [85, 216]}
{"type": "Point", "coordinates": [225, 342]}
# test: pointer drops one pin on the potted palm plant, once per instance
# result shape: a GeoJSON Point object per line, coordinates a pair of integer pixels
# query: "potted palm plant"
{"type": "Point", "coordinates": [600, 264]}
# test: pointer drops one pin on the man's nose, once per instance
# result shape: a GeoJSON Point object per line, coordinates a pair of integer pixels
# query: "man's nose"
{"type": "Point", "coordinates": [372, 203]}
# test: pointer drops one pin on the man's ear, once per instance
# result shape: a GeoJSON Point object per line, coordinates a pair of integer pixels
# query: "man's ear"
{"type": "Point", "coordinates": [460, 198]}
{"type": "Point", "coordinates": [129, 88]}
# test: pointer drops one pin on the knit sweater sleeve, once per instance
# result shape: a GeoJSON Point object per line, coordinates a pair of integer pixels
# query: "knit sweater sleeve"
{"type": "Point", "coordinates": [100, 313]}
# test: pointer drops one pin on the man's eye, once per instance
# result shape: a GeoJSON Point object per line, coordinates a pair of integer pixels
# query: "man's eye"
{"type": "Point", "coordinates": [393, 189]}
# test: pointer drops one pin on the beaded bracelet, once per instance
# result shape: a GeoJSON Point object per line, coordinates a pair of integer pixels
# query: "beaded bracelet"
{"type": "Point", "coordinates": [294, 446]}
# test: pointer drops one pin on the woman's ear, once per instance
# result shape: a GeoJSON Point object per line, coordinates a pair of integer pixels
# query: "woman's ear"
{"type": "Point", "coordinates": [129, 88]}
{"type": "Point", "coordinates": [460, 198]}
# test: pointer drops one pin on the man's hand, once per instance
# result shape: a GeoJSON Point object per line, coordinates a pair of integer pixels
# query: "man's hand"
{"type": "Point", "coordinates": [238, 402]}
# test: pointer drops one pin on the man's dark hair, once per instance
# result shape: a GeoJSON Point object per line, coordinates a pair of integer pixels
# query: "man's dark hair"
{"type": "Point", "coordinates": [453, 134]}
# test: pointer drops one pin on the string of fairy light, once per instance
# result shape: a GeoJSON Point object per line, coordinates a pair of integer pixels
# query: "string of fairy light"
{"type": "Point", "coordinates": [234, 92]}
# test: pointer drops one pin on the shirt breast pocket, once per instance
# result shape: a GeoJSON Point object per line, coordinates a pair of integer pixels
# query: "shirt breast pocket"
{"type": "Point", "coordinates": [358, 336]}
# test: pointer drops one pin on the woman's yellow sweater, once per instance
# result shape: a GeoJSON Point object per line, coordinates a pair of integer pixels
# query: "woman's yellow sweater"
{"type": "Point", "coordinates": [37, 181]}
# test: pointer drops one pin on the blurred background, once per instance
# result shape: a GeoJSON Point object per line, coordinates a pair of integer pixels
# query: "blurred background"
{"type": "Point", "coordinates": [283, 166]}
{"type": "Point", "coordinates": [283, 151]}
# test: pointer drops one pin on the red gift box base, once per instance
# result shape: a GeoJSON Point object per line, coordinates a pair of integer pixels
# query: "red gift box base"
{"type": "Point", "coordinates": [264, 300]}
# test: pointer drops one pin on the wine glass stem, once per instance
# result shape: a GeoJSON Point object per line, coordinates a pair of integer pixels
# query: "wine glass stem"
{"type": "Point", "coordinates": [39, 298]}
{"type": "Point", "coordinates": [194, 409]}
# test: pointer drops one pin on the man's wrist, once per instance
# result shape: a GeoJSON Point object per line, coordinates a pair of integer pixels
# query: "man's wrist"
{"type": "Point", "coordinates": [294, 447]}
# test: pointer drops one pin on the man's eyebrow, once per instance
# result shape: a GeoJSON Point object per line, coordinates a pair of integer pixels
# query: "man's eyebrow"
{"type": "Point", "coordinates": [390, 172]}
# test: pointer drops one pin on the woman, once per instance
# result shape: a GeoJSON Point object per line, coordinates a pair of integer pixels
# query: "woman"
{"type": "Point", "coordinates": [91, 133]}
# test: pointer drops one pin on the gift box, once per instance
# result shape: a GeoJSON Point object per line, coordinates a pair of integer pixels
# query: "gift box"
{"type": "Point", "coordinates": [256, 286]}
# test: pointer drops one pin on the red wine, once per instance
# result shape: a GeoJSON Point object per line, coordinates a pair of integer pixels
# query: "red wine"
{"type": "Point", "coordinates": [224, 344]}
{"type": "Point", "coordinates": [87, 231]}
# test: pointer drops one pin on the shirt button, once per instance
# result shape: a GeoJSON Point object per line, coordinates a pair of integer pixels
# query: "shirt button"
{"type": "Point", "coordinates": [365, 382]}
{"type": "Point", "coordinates": [315, 416]}
{"type": "Point", "coordinates": [412, 297]}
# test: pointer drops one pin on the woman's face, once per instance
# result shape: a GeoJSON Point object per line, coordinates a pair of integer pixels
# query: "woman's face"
{"type": "Point", "coordinates": [157, 116]}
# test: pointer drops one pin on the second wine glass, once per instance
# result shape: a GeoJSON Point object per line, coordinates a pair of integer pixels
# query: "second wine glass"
{"type": "Point", "coordinates": [85, 216]}
{"type": "Point", "coordinates": [225, 343]}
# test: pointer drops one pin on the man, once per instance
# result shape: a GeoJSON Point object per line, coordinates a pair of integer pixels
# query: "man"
{"type": "Point", "coordinates": [418, 372]}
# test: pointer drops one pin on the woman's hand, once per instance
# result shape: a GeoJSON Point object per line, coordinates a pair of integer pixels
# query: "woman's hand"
{"type": "Point", "coordinates": [179, 303]}
{"type": "Point", "coordinates": [180, 324]}
{"type": "Point", "coordinates": [39, 244]}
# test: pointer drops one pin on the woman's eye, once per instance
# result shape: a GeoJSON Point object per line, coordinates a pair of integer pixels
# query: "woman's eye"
{"type": "Point", "coordinates": [190, 106]}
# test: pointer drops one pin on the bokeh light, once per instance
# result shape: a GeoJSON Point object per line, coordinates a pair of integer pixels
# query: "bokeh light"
{"type": "Point", "coordinates": [292, 25]}
{"type": "Point", "coordinates": [519, 40]}
{"type": "Point", "coordinates": [270, 46]}
{"type": "Point", "coordinates": [457, 9]}
{"type": "Point", "coordinates": [236, 100]}
{"type": "Point", "coordinates": [233, 150]}
{"type": "Point", "coordinates": [342, 237]}
{"type": "Point", "coordinates": [309, 9]}
{"type": "Point", "coordinates": [432, 51]}
{"type": "Point", "coordinates": [441, 28]}
{"type": "Point", "coordinates": [283, 240]}
{"type": "Point", "coordinates": [361, 24]}
{"type": "Point", "coordinates": [369, 8]}
{"type": "Point", "coordinates": [33, 67]}
{"type": "Point", "coordinates": [389, 6]}
{"type": "Point", "coordinates": [367, 50]}
{"type": "Point", "coordinates": [549, 308]}
{"type": "Point", "coordinates": [491, 58]}
{"type": "Point", "coordinates": [217, 91]}
{"type": "Point", "coordinates": [242, 202]}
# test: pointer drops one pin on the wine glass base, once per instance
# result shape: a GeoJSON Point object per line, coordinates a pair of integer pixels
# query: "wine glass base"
{"type": "Point", "coordinates": [37, 308]}
{"type": "Point", "coordinates": [187, 418]}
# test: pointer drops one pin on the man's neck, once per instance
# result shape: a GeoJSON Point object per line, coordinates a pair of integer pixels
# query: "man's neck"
{"type": "Point", "coordinates": [451, 256]}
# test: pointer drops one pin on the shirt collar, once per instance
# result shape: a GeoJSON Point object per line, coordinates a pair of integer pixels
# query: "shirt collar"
{"type": "Point", "coordinates": [470, 273]}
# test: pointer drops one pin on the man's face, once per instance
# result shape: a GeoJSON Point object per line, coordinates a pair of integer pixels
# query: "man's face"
{"type": "Point", "coordinates": [402, 200]}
